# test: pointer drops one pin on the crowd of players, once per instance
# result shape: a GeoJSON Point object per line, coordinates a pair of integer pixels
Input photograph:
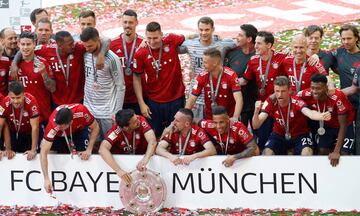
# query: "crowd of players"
{"type": "Point", "coordinates": [84, 93]}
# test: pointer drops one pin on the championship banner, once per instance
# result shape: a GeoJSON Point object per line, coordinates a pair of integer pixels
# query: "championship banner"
{"type": "Point", "coordinates": [257, 182]}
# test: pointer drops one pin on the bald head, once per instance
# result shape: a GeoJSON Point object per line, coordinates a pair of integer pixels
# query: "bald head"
{"type": "Point", "coordinates": [8, 38]}
{"type": "Point", "coordinates": [299, 47]}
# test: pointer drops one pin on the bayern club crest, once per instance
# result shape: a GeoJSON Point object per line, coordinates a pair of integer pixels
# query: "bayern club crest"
{"type": "Point", "coordinates": [275, 65]}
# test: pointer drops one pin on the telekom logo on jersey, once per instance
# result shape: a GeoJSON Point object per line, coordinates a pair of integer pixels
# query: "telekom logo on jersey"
{"type": "Point", "coordinates": [22, 78]}
{"type": "Point", "coordinates": [55, 66]}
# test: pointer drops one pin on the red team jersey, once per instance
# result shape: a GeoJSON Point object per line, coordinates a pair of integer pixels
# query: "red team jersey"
{"type": "Point", "coordinates": [34, 84]}
{"type": "Point", "coordinates": [30, 110]}
{"type": "Point", "coordinates": [115, 137]}
{"type": "Point", "coordinates": [4, 74]}
{"type": "Point", "coordinates": [253, 72]}
{"type": "Point", "coordinates": [288, 69]}
{"type": "Point", "coordinates": [298, 121]}
{"type": "Point", "coordinates": [169, 86]}
{"type": "Point", "coordinates": [81, 118]}
{"type": "Point", "coordinates": [74, 92]}
{"type": "Point", "coordinates": [336, 104]}
{"type": "Point", "coordinates": [239, 136]}
{"type": "Point", "coordinates": [117, 47]}
{"type": "Point", "coordinates": [195, 144]}
{"type": "Point", "coordinates": [228, 85]}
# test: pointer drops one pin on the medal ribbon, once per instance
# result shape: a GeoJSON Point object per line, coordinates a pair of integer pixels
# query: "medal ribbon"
{"type": "Point", "coordinates": [127, 58]}
{"type": "Point", "coordinates": [182, 151]}
{"type": "Point", "coordinates": [215, 94]}
{"type": "Point", "coordinates": [321, 122]}
{"type": "Point", "coordinates": [156, 62]}
{"type": "Point", "coordinates": [70, 143]}
{"type": "Point", "coordinates": [66, 73]}
{"type": "Point", "coordinates": [130, 148]}
{"type": "Point", "coordinates": [298, 81]}
{"type": "Point", "coordinates": [287, 117]}
{"type": "Point", "coordinates": [227, 141]}
{"type": "Point", "coordinates": [263, 80]}
{"type": "Point", "coordinates": [17, 125]}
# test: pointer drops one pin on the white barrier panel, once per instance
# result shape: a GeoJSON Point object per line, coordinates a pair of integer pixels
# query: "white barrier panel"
{"type": "Point", "coordinates": [258, 182]}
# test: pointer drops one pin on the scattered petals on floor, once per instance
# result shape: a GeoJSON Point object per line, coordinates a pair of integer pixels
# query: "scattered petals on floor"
{"type": "Point", "coordinates": [65, 209]}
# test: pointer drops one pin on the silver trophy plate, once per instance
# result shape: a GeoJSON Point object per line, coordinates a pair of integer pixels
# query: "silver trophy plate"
{"type": "Point", "coordinates": [146, 193]}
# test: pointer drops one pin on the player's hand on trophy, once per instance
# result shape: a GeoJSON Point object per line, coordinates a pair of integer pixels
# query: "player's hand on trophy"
{"type": "Point", "coordinates": [229, 161]}
{"type": "Point", "coordinates": [125, 176]}
{"type": "Point", "coordinates": [47, 185]}
{"type": "Point", "coordinates": [141, 166]}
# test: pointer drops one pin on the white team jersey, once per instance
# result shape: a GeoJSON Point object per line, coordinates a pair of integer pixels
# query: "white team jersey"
{"type": "Point", "coordinates": [104, 89]}
{"type": "Point", "coordinates": [196, 50]}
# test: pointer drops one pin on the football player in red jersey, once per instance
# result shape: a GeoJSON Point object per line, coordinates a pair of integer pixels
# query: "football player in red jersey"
{"type": "Point", "coordinates": [35, 74]}
{"type": "Point", "coordinates": [231, 138]}
{"type": "Point", "coordinates": [336, 136]}
{"type": "Point", "coordinates": [264, 67]}
{"type": "Point", "coordinates": [68, 130]}
{"type": "Point", "coordinates": [298, 68]}
{"type": "Point", "coordinates": [290, 132]}
{"type": "Point", "coordinates": [188, 141]}
{"type": "Point", "coordinates": [20, 111]}
{"type": "Point", "coordinates": [164, 88]}
{"type": "Point", "coordinates": [125, 46]}
{"type": "Point", "coordinates": [130, 135]}
{"type": "Point", "coordinates": [220, 85]}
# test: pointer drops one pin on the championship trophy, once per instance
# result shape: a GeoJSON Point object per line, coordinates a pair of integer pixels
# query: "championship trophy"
{"type": "Point", "coordinates": [145, 194]}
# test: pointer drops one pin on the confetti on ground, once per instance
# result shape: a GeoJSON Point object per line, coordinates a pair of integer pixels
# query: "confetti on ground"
{"type": "Point", "coordinates": [65, 209]}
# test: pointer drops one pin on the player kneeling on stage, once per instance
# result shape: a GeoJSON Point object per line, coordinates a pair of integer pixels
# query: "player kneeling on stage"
{"type": "Point", "coordinates": [130, 135]}
{"type": "Point", "coordinates": [337, 135]}
{"type": "Point", "coordinates": [188, 141]}
{"type": "Point", "coordinates": [20, 111]}
{"type": "Point", "coordinates": [290, 133]}
{"type": "Point", "coordinates": [231, 138]}
{"type": "Point", "coordinates": [68, 127]}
